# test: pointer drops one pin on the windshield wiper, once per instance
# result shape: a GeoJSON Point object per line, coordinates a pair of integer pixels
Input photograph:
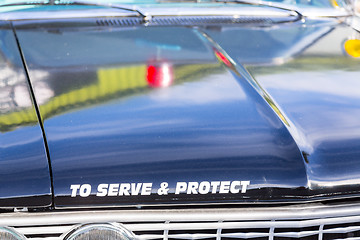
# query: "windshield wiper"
{"type": "Point", "coordinates": [266, 4]}
{"type": "Point", "coordinates": [131, 8]}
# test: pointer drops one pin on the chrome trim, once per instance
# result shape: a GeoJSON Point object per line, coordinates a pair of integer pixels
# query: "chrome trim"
{"type": "Point", "coordinates": [280, 6]}
{"type": "Point", "coordinates": [147, 11]}
{"type": "Point", "coordinates": [126, 7]}
{"type": "Point", "coordinates": [193, 21]}
{"type": "Point", "coordinates": [73, 14]}
{"type": "Point", "coordinates": [311, 12]}
{"type": "Point", "coordinates": [216, 10]}
{"type": "Point", "coordinates": [184, 223]}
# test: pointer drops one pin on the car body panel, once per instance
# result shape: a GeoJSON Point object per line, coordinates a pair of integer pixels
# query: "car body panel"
{"type": "Point", "coordinates": [316, 86]}
{"type": "Point", "coordinates": [25, 178]}
{"type": "Point", "coordinates": [164, 105]}
{"type": "Point", "coordinates": [106, 124]}
{"type": "Point", "coordinates": [319, 91]}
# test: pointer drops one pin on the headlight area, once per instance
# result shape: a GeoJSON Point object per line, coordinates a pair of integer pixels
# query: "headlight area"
{"type": "Point", "coordinates": [100, 232]}
{"type": "Point", "coordinates": [305, 221]}
{"type": "Point", "coordinates": [10, 234]}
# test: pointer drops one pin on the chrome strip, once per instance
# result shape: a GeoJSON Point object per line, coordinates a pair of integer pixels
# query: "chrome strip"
{"type": "Point", "coordinates": [233, 10]}
{"type": "Point", "coordinates": [166, 223]}
{"type": "Point", "coordinates": [154, 12]}
{"type": "Point", "coordinates": [70, 14]}
{"type": "Point", "coordinates": [298, 212]}
{"type": "Point", "coordinates": [311, 12]}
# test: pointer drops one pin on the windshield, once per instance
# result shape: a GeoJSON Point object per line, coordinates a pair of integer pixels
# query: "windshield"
{"type": "Point", "coordinates": [178, 3]}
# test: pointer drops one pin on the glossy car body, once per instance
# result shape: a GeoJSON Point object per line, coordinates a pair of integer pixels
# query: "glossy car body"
{"type": "Point", "coordinates": [248, 107]}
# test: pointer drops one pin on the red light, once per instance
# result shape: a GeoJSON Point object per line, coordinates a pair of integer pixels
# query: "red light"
{"type": "Point", "coordinates": [151, 75]}
{"type": "Point", "coordinates": [159, 75]}
{"type": "Point", "coordinates": [223, 58]}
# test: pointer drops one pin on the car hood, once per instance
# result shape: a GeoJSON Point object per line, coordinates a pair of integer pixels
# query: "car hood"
{"type": "Point", "coordinates": [148, 115]}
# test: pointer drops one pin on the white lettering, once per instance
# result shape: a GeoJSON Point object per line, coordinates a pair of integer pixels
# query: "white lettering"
{"type": "Point", "coordinates": [74, 189]}
{"type": "Point", "coordinates": [146, 189]}
{"type": "Point", "coordinates": [244, 185]}
{"type": "Point", "coordinates": [234, 185]}
{"type": "Point", "coordinates": [124, 189]}
{"type": "Point", "coordinates": [192, 188]}
{"type": "Point", "coordinates": [113, 190]}
{"type": "Point", "coordinates": [204, 187]}
{"type": "Point", "coordinates": [215, 186]}
{"type": "Point", "coordinates": [102, 190]}
{"type": "Point", "coordinates": [127, 189]}
{"type": "Point", "coordinates": [224, 187]}
{"type": "Point", "coordinates": [135, 188]}
{"type": "Point", "coordinates": [85, 190]}
{"type": "Point", "coordinates": [180, 187]}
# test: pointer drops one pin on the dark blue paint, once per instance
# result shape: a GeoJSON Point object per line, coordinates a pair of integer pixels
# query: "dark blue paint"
{"type": "Point", "coordinates": [24, 170]}
{"type": "Point", "coordinates": [320, 93]}
{"type": "Point", "coordinates": [213, 126]}
{"type": "Point", "coordinates": [214, 123]}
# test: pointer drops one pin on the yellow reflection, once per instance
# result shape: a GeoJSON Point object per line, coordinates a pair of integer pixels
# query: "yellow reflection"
{"type": "Point", "coordinates": [275, 108]}
{"type": "Point", "coordinates": [334, 3]}
{"type": "Point", "coordinates": [352, 47]}
{"type": "Point", "coordinates": [113, 80]}
{"type": "Point", "coordinates": [111, 83]}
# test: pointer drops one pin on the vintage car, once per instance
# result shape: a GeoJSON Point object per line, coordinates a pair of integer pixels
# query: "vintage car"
{"type": "Point", "coordinates": [222, 120]}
